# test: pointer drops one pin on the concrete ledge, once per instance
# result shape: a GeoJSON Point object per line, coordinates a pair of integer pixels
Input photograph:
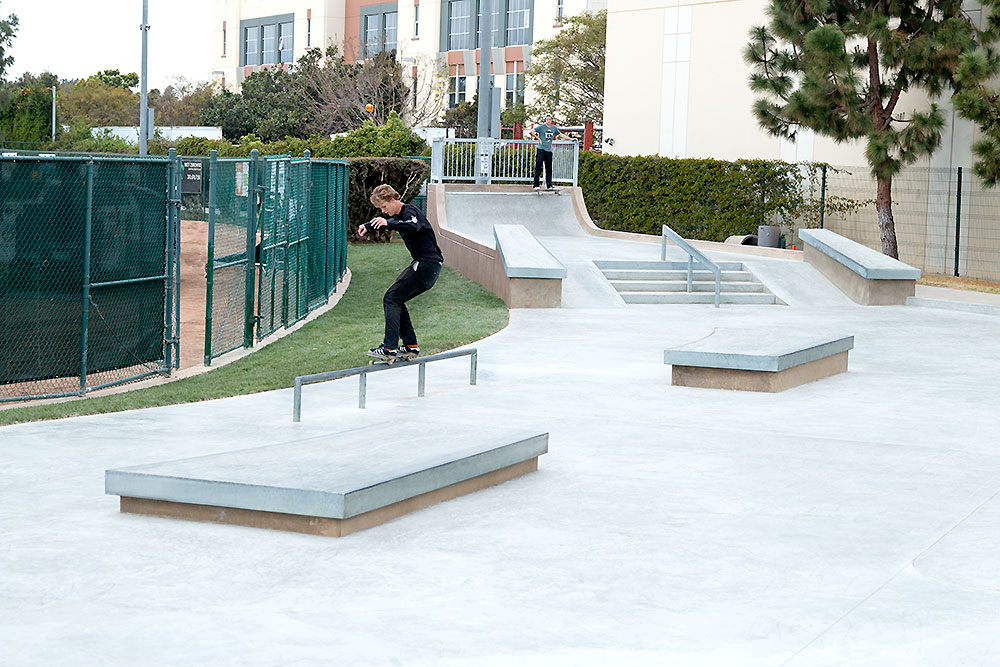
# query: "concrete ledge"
{"type": "Point", "coordinates": [482, 263]}
{"type": "Point", "coordinates": [861, 259]}
{"type": "Point", "coordinates": [322, 525]}
{"type": "Point", "coordinates": [374, 472]}
{"type": "Point", "coordinates": [762, 381]}
{"type": "Point", "coordinates": [523, 256]}
{"type": "Point", "coordinates": [757, 360]}
{"type": "Point", "coordinates": [866, 276]}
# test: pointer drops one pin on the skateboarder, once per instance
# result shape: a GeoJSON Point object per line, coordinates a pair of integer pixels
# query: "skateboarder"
{"type": "Point", "coordinates": [543, 152]}
{"type": "Point", "coordinates": [417, 278]}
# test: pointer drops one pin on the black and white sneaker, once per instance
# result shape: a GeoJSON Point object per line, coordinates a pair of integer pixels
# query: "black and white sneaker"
{"type": "Point", "coordinates": [410, 350]}
{"type": "Point", "coordinates": [383, 352]}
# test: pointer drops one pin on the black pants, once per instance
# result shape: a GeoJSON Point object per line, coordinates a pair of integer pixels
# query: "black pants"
{"type": "Point", "coordinates": [410, 283]}
{"type": "Point", "coordinates": [543, 156]}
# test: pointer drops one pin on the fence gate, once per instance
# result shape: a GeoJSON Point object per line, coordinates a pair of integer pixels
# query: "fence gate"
{"type": "Point", "coordinates": [89, 271]}
{"type": "Point", "coordinates": [277, 229]}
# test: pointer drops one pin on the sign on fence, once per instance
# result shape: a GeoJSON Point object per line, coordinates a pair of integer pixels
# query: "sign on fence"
{"type": "Point", "coordinates": [191, 179]}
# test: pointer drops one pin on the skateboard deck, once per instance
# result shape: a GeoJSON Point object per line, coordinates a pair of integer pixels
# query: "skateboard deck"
{"type": "Point", "coordinates": [551, 191]}
{"type": "Point", "coordinates": [389, 361]}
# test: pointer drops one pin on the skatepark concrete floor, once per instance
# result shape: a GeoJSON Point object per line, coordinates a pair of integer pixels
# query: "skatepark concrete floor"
{"type": "Point", "coordinates": [851, 521]}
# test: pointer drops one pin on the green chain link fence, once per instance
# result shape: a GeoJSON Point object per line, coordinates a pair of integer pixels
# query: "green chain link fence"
{"type": "Point", "coordinates": [946, 221]}
{"type": "Point", "coordinates": [89, 270]}
{"type": "Point", "coordinates": [277, 244]}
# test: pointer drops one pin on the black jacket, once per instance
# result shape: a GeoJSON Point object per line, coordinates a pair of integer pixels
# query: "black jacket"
{"type": "Point", "coordinates": [416, 232]}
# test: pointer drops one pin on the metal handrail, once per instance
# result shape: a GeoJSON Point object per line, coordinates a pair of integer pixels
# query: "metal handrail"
{"type": "Point", "coordinates": [693, 254]}
{"type": "Point", "coordinates": [506, 160]}
{"type": "Point", "coordinates": [363, 371]}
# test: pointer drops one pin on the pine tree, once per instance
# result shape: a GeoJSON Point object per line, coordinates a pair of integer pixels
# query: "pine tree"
{"type": "Point", "coordinates": [839, 67]}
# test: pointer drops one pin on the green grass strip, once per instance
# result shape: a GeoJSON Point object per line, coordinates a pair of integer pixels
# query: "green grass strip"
{"type": "Point", "coordinates": [455, 312]}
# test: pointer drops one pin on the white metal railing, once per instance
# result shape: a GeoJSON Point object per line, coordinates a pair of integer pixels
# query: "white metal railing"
{"type": "Point", "coordinates": [500, 160]}
{"type": "Point", "coordinates": [693, 254]}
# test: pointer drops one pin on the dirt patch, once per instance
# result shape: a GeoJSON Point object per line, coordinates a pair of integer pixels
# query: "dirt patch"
{"type": "Point", "coordinates": [952, 282]}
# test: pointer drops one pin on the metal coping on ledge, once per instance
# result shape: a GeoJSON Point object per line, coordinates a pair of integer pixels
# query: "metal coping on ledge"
{"type": "Point", "coordinates": [363, 371]}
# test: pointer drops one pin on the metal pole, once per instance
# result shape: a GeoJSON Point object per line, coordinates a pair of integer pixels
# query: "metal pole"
{"type": "Point", "coordinates": [483, 134]}
{"type": "Point", "coordinates": [473, 365]}
{"type": "Point", "coordinates": [143, 114]}
{"type": "Point", "coordinates": [87, 225]}
{"type": "Point", "coordinates": [362, 389]}
{"type": "Point", "coordinates": [958, 218]}
{"type": "Point", "coordinates": [421, 374]}
{"type": "Point", "coordinates": [252, 191]}
{"type": "Point", "coordinates": [822, 197]}
{"type": "Point", "coordinates": [168, 316]}
{"type": "Point", "coordinates": [53, 113]}
{"type": "Point", "coordinates": [213, 156]}
{"type": "Point", "coordinates": [297, 401]}
{"type": "Point", "coordinates": [177, 256]}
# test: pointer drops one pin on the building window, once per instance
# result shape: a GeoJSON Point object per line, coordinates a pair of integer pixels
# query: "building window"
{"type": "Point", "coordinates": [378, 29]}
{"type": "Point", "coordinates": [459, 24]}
{"type": "Point", "coordinates": [252, 47]}
{"type": "Point", "coordinates": [559, 9]}
{"type": "Point", "coordinates": [270, 54]}
{"type": "Point", "coordinates": [371, 34]}
{"type": "Point", "coordinates": [309, 32]}
{"type": "Point", "coordinates": [515, 89]}
{"type": "Point", "coordinates": [497, 24]}
{"type": "Point", "coordinates": [223, 39]}
{"type": "Point", "coordinates": [456, 91]}
{"type": "Point", "coordinates": [390, 30]}
{"type": "Point", "coordinates": [285, 42]}
{"type": "Point", "coordinates": [518, 22]}
{"type": "Point", "coordinates": [267, 41]}
{"type": "Point", "coordinates": [416, 20]}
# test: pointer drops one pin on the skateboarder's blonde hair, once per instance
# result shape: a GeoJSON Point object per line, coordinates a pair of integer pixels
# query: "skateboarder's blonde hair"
{"type": "Point", "coordinates": [383, 193]}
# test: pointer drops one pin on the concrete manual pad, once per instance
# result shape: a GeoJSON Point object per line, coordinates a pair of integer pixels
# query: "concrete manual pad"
{"type": "Point", "coordinates": [861, 259]}
{"type": "Point", "coordinates": [333, 476]}
{"type": "Point", "coordinates": [751, 349]}
{"type": "Point", "coordinates": [523, 256]}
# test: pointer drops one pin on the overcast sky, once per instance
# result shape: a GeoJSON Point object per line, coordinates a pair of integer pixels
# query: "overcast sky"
{"type": "Point", "coordinates": [74, 38]}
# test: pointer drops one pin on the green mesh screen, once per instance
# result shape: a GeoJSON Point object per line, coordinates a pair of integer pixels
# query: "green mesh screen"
{"type": "Point", "coordinates": [45, 294]}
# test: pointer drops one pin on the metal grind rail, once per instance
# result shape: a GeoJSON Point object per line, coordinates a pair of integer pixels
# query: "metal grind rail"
{"type": "Point", "coordinates": [363, 372]}
{"type": "Point", "coordinates": [693, 254]}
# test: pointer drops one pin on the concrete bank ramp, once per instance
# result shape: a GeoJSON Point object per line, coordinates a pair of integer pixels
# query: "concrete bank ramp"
{"type": "Point", "coordinates": [473, 214]}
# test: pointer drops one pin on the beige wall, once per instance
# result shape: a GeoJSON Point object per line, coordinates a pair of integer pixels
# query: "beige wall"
{"type": "Point", "coordinates": [714, 104]}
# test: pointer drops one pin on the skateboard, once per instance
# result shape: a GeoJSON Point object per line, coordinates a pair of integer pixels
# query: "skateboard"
{"type": "Point", "coordinates": [388, 361]}
{"type": "Point", "coordinates": [552, 191]}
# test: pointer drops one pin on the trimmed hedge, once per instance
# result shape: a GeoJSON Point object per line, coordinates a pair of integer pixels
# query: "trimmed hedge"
{"type": "Point", "coordinates": [405, 176]}
{"type": "Point", "coordinates": [700, 199]}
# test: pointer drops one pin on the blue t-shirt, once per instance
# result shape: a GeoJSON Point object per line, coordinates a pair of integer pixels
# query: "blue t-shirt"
{"type": "Point", "coordinates": [546, 133]}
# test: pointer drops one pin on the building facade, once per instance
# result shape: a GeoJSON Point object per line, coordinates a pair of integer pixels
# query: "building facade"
{"type": "Point", "coordinates": [436, 41]}
{"type": "Point", "coordinates": [676, 85]}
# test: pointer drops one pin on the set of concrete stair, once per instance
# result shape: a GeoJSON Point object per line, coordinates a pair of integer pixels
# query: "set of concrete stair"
{"type": "Point", "coordinates": [666, 282]}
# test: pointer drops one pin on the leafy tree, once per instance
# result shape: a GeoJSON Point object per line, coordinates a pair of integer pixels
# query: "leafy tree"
{"type": "Point", "coordinates": [113, 77]}
{"type": "Point", "coordinates": [338, 92]}
{"type": "Point", "coordinates": [567, 71]}
{"type": "Point", "coordinates": [8, 27]}
{"type": "Point", "coordinates": [269, 105]}
{"type": "Point", "coordinates": [464, 117]}
{"type": "Point", "coordinates": [27, 116]}
{"type": "Point", "coordinates": [94, 103]}
{"type": "Point", "coordinates": [181, 102]}
{"type": "Point", "coordinates": [840, 67]}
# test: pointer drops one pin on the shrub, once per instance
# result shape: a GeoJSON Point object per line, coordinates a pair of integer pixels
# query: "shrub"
{"type": "Point", "coordinates": [405, 176]}
{"type": "Point", "coordinates": [700, 199]}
